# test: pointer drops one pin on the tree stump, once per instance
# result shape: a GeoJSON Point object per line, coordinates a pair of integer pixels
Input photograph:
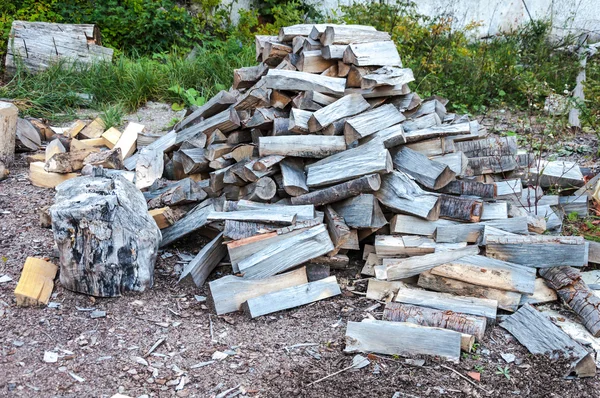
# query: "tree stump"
{"type": "Point", "coordinates": [8, 129]}
{"type": "Point", "coordinates": [106, 239]}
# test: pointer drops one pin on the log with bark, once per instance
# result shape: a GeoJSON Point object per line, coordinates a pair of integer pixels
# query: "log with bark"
{"type": "Point", "coordinates": [538, 251]}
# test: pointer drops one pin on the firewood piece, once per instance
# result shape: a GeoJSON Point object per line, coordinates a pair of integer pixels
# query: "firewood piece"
{"type": "Point", "coordinates": [36, 282]}
{"type": "Point", "coordinates": [462, 323]}
{"type": "Point", "coordinates": [177, 193]}
{"type": "Point", "coordinates": [431, 174]}
{"type": "Point", "coordinates": [27, 137]}
{"type": "Point", "coordinates": [426, 108]}
{"type": "Point", "coordinates": [560, 174]}
{"type": "Point", "coordinates": [111, 137]}
{"type": "Point", "coordinates": [423, 122]}
{"type": "Point", "coordinates": [338, 261]}
{"type": "Point", "coordinates": [259, 41]}
{"type": "Point", "coordinates": [318, 30]}
{"type": "Point", "coordinates": [381, 93]}
{"type": "Point", "coordinates": [302, 102]}
{"type": "Point", "coordinates": [540, 336]}
{"type": "Point", "coordinates": [400, 268]}
{"type": "Point", "coordinates": [246, 247]}
{"type": "Point", "coordinates": [265, 163]}
{"type": "Point", "coordinates": [348, 105]}
{"type": "Point", "coordinates": [293, 176]}
{"type": "Point", "coordinates": [434, 147]}
{"type": "Point", "coordinates": [491, 165]}
{"type": "Point", "coordinates": [391, 136]}
{"type": "Point", "coordinates": [334, 52]}
{"type": "Point", "coordinates": [365, 184]}
{"type": "Point", "coordinates": [205, 261]}
{"type": "Point", "coordinates": [470, 188]}
{"type": "Point", "coordinates": [387, 76]}
{"type": "Point", "coordinates": [257, 96]}
{"type": "Point", "coordinates": [361, 211]}
{"type": "Point", "coordinates": [263, 118]}
{"type": "Point", "coordinates": [128, 140]}
{"type": "Point", "coordinates": [355, 75]}
{"type": "Point", "coordinates": [199, 140]}
{"type": "Point", "coordinates": [400, 246]}
{"type": "Point", "coordinates": [343, 69]}
{"type": "Point", "coordinates": [538, 251]}
{"type": "Point", "coordinates": [274, 52]}
{"type": "Point", "coordinates": [192, 221]}
{"type": "Point", "coordinates": [370, 122]}
{"type": "Point", "coordinates": [302, 81]}
{"type": "Point", "coordinates": [576, 294]}
{"type": "Point", "coordinates": [111, 159]}
{"type": "Point", "coordinates": [377, 53]}
{"type": "Point", "coordinates": [497, 146]}
{"type": "Point", "coordinates": [225, 121]}
{"type": "Point", "coordinates": [438, 131]}
{"type": "Point", "coordinates": [400, 193]}
{"type": "Point", "coordinates": [163, 217]}
{"type": "Point", "coordinates": [291, 297]}
{"type": "Point", "coordinates": [41, 178]}
{"type": "Point", "coordinates": [508, 301]}
{"type": "Point", "coordinates": [150, 166]}
{"type": "Point", "coordinates": [485, 271]}
{"type": "Point", "coordinates": [460, 208]}
{"type": "Point", "coordinates": [494, 211]}
{"type": "Point", "coordinates": [383, 290]}
{"type": "Point", "coordinates": [338, 230]}
{"type": "Point", "coordinates": [214, 151]}
{"type": "Point", "coordinates": [298, 122]}
{"type": "Point", "coordinates": [402, 338]}
{"type": "Point", "coordinates": [287, 253]}
{"type": "Point", "coordinates": [369, 158]}
{"type": "Point", "coordinates": [472, 233]}
{"type": "Point", "coordinates": [194, 160]}
{"type": "Point", "coordinates": [94, 129]}
{"type": "Point", "coordinates": [53, 147]}
{"type": "Point", "coordinates": [449, 302]}
{"type": "Point", "coordinates": [313, 62]}
{"type": "Point", "coordinates": [268, 217]}
{"type": "Point", "coordinates": [303, 212]}
{"type": "Point", "coordinates": [242, 152]}
{"type": "Point", "coordinates": [305, 146]}
{"type": "Point", "coordinates": [261, 191]}
{"type": "Point", "coordinates": [574, 204]}
{"type": "Point", "coordinates": [247, 77]}
{"type": "Point", "coordinates": [66, 162]}
{"type": "Point", "coordinates": [405, 224]}
{"type": "Point", "coordinates": [9, 115]}
{"type": "Point", "coordinates": [457, 162]}
{"type": "Point", "coordinates": [229, 292]}
{"type": "Point", "coordinates": [279, 100]}
{"type": "Point", "coordinates": [349, 34]}
{"type": "Point", "coordinates": [542, 294]}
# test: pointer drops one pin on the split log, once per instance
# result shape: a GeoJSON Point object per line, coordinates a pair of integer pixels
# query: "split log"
{"type": "Point", "coordinates": [55, 146]}
{"type": "Point", "coordinates": [301, 81]}
{"type": "Point", "coordinates": [293, 177]}
{"type": "Point", "coordinates": [489, 147]}
{"type": "Point", "coordinates": [318, 30]}
{"type": "Point", "coordinates": [41, 178]}
{"type": "Point", "coordinates": [431, 174]}
{"type": "Point", "coordinates": [339, 261]}
{"type": "Point", "coordinates": [559, 174]}
{"type": "Point", "coordinates": [369, 158]}
{"type": "Point", "coordinates": [248, 76]}
{"type": "Point", "coordinates": [128, 140]}
{"type": "Point", "coordinates": [305, 146]}
{"type": "Point", "coordinates": [400, 193]}
{"type": "Point", "coordinates": [350, 34]}
{"type": "Point", "coordinates": [379, 53]}
{"type": "Point", "coordinates": [423, 122]}
{"type": "Point", "coordinates": [405, 224]}
{"type": "Point", "coordinates": [466, 324]}
{"type": "Point", "coordinates": [536, 332]}
{"type": "Point", "coordinates": [225, 121]}
{"type": "Point", "coordinates": [36, 282]}
{"type": "Point", "coordinates": [574, 204]}
{"type": "Point", "coordinates": [238, 230]}
{"type": "Point", "coordinates": [111, 137]}
{"type": "Point", "coordinates": [270, 216]}
{"type": "Point", "coordinates": [387, 76]}
{"type": "Point", "coordinates": [391, 136]}
{"type": "Point", "coordinates": [460, 208]}
{"type": "Point", "coordinates": [244, 248]}
{"type": "Point", "coordinates": [576, 294]}
{"type": "Point", "coordinates": [348, 105]}
{"type": "Point", "coordinates": [355, 74]}
{"type": "Point", "coordinates": [407, 267]}
{"type": "Point", "coordinates": [457, 162]}
{"type": "Point", "coordinates": [150, 166]}
{"type": "Point", "coordinates": [229, 292]}
{"type": "Point", "coordinates": [259, 41]}
{"type": "Point", "coordinates": [299, 121]}
{"type": "Point", "coordinates": [163, 217]}
{"type": "Point", "coordinates": [302, 102]}
{"type": "Point", "coordinates": [443, 130]}
{"type": "Point", "coordinates": [401, 246]}
{"type": "Point", "coordinates": [111, 159]}
{"type": "Point", "coordinates": [334, 52]}
{"type": "Point", "coordinates": [289, 252]}
{"type": "Point", "coordinates": [302, 212]}
{"type": "Point", "coordinates": [339, 232]}
{"type": "Point", "coordinates": [426, 108]}
{"type": "Point", "coordinates": [370, 122]}
{"type": "Point", "coordinates": [494, 211]}
{"type": "Point", "coordinates": [491, 165]}
{"type": "Point", "coordinates": [93, 130]}
{"type": "Point", "coordinates": [470, 188]}
{"type": "Point", "coordinates": [98, 221]}
{"type": "Point", "coordinates": [279, 100]}
{"type": "Point", "coordinates": [255, 97]}
{"type": "Point", "coordinates": [400, 338]}
{"type": "Point", "coordinates": [261, 191]}
{"type": "Point", "coordinates": [508, 301]}
{"type": "Point", "coordinates": [67, 162]}
{"type": "Point", "coordinates": [192, 221]}
{"type": "Point", "coordinates": [177, 193]}
{"type": "Point", "coordinates": [361, 211]}
{"type": "Point", "coordinates": [538, 251]}
{"type": "Point", "coordinates": [27, 138]}
{"type": "Point", "coordinates": [472, 233]}
{"type": "Point", "coordinates": [291, 297]}
{"type": "Point", "coordinates": [164, 144]}
{"type": "Point", "coordinates": [274, 52]}
{"type": "Point", "coordinates": [205, 261]}
{"type": "Point", "coordinates": [434, 147]}
{"type": "Point", "coordinates": [382, 93]}
{"type": "Point", "coordinates": [312, 61]}
{"type": "Point", "coordinates": [449, 302]}
{"type": "Point", "coordinates": [365, 184]}
{"type": "Point", "coordinates": [542, 294]}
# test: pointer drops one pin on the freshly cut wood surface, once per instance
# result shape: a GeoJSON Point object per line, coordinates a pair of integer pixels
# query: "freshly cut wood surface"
{"type": "Point", "coordinates": [335, 193]}
{"type": "Point", "coordinates": [306, 146]}
{"type": "Point", "coordinates": [469, 324]}
{"type": "Point", "coordinates": [449, 302]}
{"type": "Point", "coordinates": [400, 338]}
{"type": "Point", "coordinates": [536, 332]}
{"type": "Point", "coordinates": [348, 105]}
{"type": "Point", "coordinates": [41, 178]}
{"type": "Point", "coordinates": [338, 230]}
{"type": "Point", "coordinates": [163, 217]}
{"type": "Point", "coordinates": [542, 294]}
{"type": "Point", "coordinates": [36, 282]}
{"type": "Point", "coordinates": [291, 297]}
{"type": "Point", "coordinates": [429, 173]}
{"type": "Point", "coordinates": [127, 141]}
{"type": "Point", "coordinates": [314, 62]}
{"type": "Point", "coordinates": [111, 137]}
{"type": "Point", "coordinates": [229, 292]}
{"type": "Point", "coordinates": [383, 290]}
{"type": "Point", "coordinates": [301, 81]}
{"type": "Point", "coordinates": [400, 193]}
{"type": "Point", "coordinates": [538, 251]}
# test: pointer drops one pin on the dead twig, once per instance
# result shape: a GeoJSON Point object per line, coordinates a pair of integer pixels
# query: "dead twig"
{"type": "Point", "coordinates": [465, 378]}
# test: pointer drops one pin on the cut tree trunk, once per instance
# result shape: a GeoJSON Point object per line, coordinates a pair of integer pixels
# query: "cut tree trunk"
{"type": "Point", "coordinates": [9, 114]}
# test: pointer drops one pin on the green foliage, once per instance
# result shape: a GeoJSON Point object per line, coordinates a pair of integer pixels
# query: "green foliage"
{"type": "Point", "coordinates": [479, 368]}
{"type": "Point", "coordinates": [112, 115]}
{"type": "Point", "coordinates": [503, 371]}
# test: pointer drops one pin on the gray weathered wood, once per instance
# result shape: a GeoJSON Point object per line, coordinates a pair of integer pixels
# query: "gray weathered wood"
{"type": "Point", "coordinates": [423, 122]}
{"type": "Point", "coordinates": [299, 121]}
{"type": "Point", "coordinates": [229, 292]}
{"type": "Point", "coordinates": [192, 221]}
{"type": "Point", "coordinates": [314, 62]}
{"type": "Point", "coordinates": [291, 297]}
{"type": "Point", "coordinates": [379, 53]}
{"type": "Point", "coordinates": [262, 190]}
{"type": "Point", "coordinates": [536, 332]}
{"type": "Point", "coordinates": [293, 176]}
{"type": "Point", "coordinates": [369, 158]}
{"type": "Point", "coordinates": [274, 52]}
{"type": "Point", "coordinates": [334, 51]}
{"type": "Point", "coordinates": [270, 216]}
{"type": "Point", "coordinates": [387, 76]}
{"type": "Point", "coordinates": [457, 162]}
{"type": "Point", "coordinates": [442, 130]}
{"type": "Point", "coordinates": [348, 105]}
{"type": "Point", "coordinates": [496, 146]}
{"type": "Point", "coordinates": [391, 136]}
{"type": "Point", "coordinates": [205, 261]}
{"type": "Point", "coordinates": [494, 211]}
{"type": "Point", "coordinates": [370, 122]}
{"type": "Point", "coordinates": [149, 167]}
{"type": "Point", "coordinates": [400, 193]}
{"type": "Point", "coordinates": [387, 246]}
{"type": "Point", "coordinates": [225, 121]}
{"type": "Point", "coordinates": [538, 251]}
{"type": "Point", "coordinates": [542, 294]}
{"type": "Point", "coordinates": [433, 147]}
{"type": "Point", "coordinates": [429, 173]}
{"type": "Point", "coordinates": [9, 115]}
{"type": "Point", "coordinates": [470, 188]}
{"type": "Point", "coordinates": [400, 338]}
{"type": "Point", "coordinates": [361, 211]}
{"type": "Point", "coordinates": [491, 165]}
{"type": "Point", "coordinates": [305, 146]}
{"type": "Point", "coordinates": [215, 105]}
{"type": "Point", "coordinates": [194, 160]}
{"type": "Point", "coordinates": [301, 81]}
{"type": "Point", "coordinates": [342, 34]}
{"type": "Point", "coordinates": [560, 174]}
{"type": "Point", "coordinates": [339, 232]}
{"type": "Point", "coordinates": [302, 212]}
{"type": "Point", "coordinates": [382, 92]}
{"type": "Point", "coordinates": [426, 108]}
{"type": "Point", "coordinates": [405, 224]}
{"type": "Point", "coordinates": [164, 144]}
{"type": "Point", "coordinates": [248, 76]}
{"type": "Point", "coordinates": [335, 193]}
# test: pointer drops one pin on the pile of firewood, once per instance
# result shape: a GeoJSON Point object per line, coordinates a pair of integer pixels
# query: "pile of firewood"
{"type": "Point", "coordinates": [321, 150]}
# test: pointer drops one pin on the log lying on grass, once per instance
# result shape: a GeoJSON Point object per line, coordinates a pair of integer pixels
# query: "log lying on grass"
{"type": "Point", "coordinates": [538, 251]}
{"type": "Point", "coordinates": [400, 338]}
{"type": "Point", "coordinates": [576, 293]}
{"type": "Point", "coordinates": [536, 332]}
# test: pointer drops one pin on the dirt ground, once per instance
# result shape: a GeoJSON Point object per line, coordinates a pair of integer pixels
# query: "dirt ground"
{"type": "Point", "coordinates": [271, 356]}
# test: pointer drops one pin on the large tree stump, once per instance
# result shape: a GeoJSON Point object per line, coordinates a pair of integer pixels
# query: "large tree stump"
{"type": "Point", "coordinates": [106, 239]}
{"type": "Point", "coordinates": [8, 129]}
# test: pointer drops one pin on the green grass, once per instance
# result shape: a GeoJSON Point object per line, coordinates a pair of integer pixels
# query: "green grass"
{"type": "Point", "coordinates": [125, 84]}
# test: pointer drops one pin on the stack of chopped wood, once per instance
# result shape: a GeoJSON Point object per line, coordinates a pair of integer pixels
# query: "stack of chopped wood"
{"type": "Point", "coordinates": [321, 150]}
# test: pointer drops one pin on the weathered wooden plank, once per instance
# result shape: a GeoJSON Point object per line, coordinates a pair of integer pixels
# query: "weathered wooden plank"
{"type": "Point", "coordinates": [270, 216]}
{"type": "Point", "coordinates": [538, 251]}
{"type": "Point", "coordinates": [536, 332]}
{"type": "Point", "coordinates": [400, 338]}
{"type": "Point", "coordinates": [306, 146]}
{"type": "Point", "coordinates": [229, 292]}
{"type": "Point", "coordinates": [449, 302]}
{"type": "Point", "coordinates": [400, 193]}
{"type": "Point", "coordinates": [301, 81]}
{"type": "Point", "coordinates": [346, 106]}
{"type": "Point", "coordinates": [379, 53]}
{"type": "Point", "coordinates": [291, 297]}
{"type": "Point", "coordinates": [431, 174]}
{"type": "Point", "coordinates": [365, 184]}
{"type": "Point", "coordinates": [494, 147]}
{"type": "Point", "coordinates": [369, 158]}
{"type": "Point", "coordinates": [205, 261]}
{"type": "Point", "coordinates": [264, 189]}
{"type": "Point", "coordinates": [560, 174]}
{"type": "Point", "coordinates": [370, 122]}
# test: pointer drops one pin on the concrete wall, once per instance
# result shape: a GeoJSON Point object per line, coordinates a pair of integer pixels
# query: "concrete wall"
{"type": "Point", "coordinates": [498, 15]}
